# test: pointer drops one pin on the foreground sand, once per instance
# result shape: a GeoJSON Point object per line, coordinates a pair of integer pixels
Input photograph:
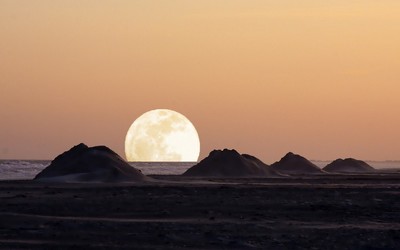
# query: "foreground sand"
{"type": "Point", "coordinates": [327, 212]}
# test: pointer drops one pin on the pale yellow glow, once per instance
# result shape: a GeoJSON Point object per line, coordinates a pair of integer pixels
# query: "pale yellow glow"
{"type": "Point", "coordinates": [162, 135]}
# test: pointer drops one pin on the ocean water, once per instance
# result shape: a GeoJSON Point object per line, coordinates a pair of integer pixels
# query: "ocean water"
{"type": "Point", "coordinates": [27, 169]}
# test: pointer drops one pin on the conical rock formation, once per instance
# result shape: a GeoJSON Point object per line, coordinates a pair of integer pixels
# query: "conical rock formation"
{"type": "Point", "coordinates": [348, 165]}
{"type": "Point", "coordinates": [295, 164]}
{"type": "Point", "coordinates": [229, 163]}
{"type": "Point", "coordinates": [90, 164]}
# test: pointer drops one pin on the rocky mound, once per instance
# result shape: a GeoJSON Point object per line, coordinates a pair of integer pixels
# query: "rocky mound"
{"type": "Point", "coordinates": [90, 164]}
{"type": "Point", "coordinates": [295, 164]}
{"type": "Point", "coordinates": [229, 163]}
{"type": "Point", "coordinates": [348, 165]}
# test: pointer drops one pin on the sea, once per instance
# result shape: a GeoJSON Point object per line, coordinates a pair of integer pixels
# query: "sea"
{"type": "Point", "coordinates": [28, 169]}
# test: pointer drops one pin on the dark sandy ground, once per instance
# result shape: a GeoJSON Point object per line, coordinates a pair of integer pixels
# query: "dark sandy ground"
{"type": "Point", "coordinates": [319, 212]}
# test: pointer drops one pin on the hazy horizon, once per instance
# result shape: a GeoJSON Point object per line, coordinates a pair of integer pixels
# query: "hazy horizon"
{"type": "Point", "coordinates": [312, 160]}
{"type": "Point", "coordinates": [318, 78]}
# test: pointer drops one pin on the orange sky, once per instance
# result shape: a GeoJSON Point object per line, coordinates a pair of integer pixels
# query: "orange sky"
{"type": "Point", "coordinates": [320, 78]}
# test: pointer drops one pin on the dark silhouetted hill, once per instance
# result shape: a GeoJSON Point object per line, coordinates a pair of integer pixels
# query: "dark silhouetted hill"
{"type": "Point", "coordinates": [295, 164]}
{"type": "Point", "coordinates": [90, 164]}
{"type": "Point", "coordinates": [348, 165]}
{"type": "Point", "coordinates": [229, 163]}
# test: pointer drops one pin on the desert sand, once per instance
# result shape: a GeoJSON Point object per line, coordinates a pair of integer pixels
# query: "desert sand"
{"type": "Point", "coordinates": [116, 207]}
{"type": "Point", "coordinates": [176, 212]}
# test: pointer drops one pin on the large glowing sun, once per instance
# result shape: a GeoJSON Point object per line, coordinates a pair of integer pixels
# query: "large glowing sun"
{"type": "Point", "coordinates": [162, 135]}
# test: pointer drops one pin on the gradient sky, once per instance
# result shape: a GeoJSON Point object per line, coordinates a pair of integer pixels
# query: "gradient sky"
{"type": "Point", "coordinates": [319, 78]}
